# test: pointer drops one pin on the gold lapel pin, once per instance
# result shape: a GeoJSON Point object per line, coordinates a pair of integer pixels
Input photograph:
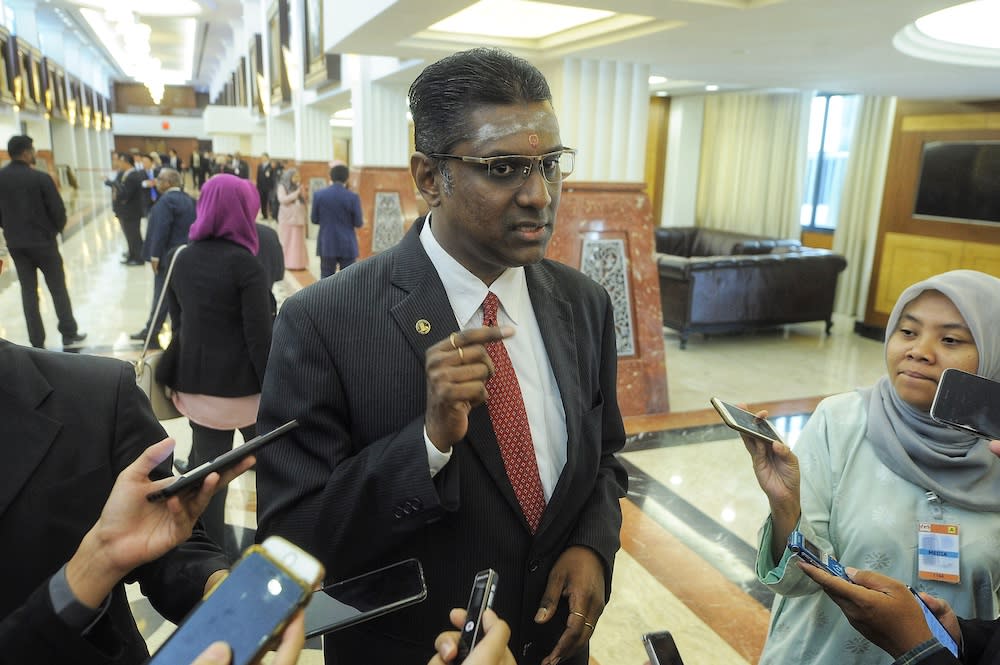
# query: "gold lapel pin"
{"type": "Point", "coordinates": [423, 326]}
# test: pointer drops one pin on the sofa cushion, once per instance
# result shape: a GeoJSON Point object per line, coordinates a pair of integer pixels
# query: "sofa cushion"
{"type": "Point", "coordinates": [698, 241]}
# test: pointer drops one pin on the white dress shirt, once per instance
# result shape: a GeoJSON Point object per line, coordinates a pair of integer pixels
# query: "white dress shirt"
{"type": "Point", "coordinates": [526, 348]}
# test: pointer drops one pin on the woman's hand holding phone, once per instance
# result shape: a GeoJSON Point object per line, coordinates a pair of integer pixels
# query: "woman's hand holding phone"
{"type": "Point", "coordinates": [292, 640]}
{"type": "Point", "coordinates": [490, 650]}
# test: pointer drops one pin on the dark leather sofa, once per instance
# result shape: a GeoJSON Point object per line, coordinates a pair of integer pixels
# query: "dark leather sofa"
{"type": "Point", "coordinates": [717, 281]}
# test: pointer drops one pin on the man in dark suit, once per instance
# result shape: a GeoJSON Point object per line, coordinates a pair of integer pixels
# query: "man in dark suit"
{"type": "Point", "coordinates": [169, 222]}
{"type": "Point", "coordinates": [72, 423]}
{"type": "Point", "coordinates": [32, 214]}
{"type": "Point", "coordinates": [387, 366]}
{"type": "Point", "coordinates": [338, 212]}
{"type": "Point", "coordinates": [132, 199]}
{"type": "Point", "coordinates": [265, 184]}
{"type": "Point", "coordinates": [273, 260]}
{"type": "Point", "coordinates": [239, 167]}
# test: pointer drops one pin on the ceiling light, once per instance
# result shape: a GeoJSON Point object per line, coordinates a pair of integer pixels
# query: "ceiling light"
{"type": "Point", "coordinates": [663, 93]}
{"type": "Point", "coordinates": [657, 80]}
{"type": "Point", "coordinates": [711, 88]}
{"type": "Point", "coordinates": [518, 19]}
{"type": "Point", "coordinates": [970, 24]}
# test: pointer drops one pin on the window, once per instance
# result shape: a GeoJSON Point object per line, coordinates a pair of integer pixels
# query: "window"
{"type": "Point", "coordinates": [831, 126]}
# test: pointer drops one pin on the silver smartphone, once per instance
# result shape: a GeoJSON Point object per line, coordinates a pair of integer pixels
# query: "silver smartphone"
{"type": "Point", "coordinates": [661, 649]}
{"type": "Point", "coordinates": [249, 608]}
{"type": "Point", "coordinates": [744, 421]}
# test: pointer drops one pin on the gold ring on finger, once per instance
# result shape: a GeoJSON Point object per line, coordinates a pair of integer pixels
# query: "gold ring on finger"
{"type": "Point", "coordinates": [588, 625]}
{"type": "Point", "coordinates": [461, 354]}
{"type": "Point", "coordinates": [582, 616]}
{"type": "Point", "coordinates": [451, 338]}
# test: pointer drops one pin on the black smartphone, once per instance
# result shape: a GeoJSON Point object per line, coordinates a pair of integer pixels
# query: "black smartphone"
{"type": "Point", "coordinates": [968, 402]}
{"type": "Point", "coordinates": [194, 477]}
{"type": "Point", "coordinates": [249, 608]}
{"type": "Point", "coordinates": [484, 587]}
{"type": "Point", "coordinates": [365, 597]}
{"type": "Point", "coordinates": [661, 649]}
{"type": "Point", "coordinates": [744, 421]}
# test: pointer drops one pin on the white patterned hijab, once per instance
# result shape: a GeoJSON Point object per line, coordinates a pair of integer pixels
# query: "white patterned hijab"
{"type": "Point", "coordinates": [955, 465]}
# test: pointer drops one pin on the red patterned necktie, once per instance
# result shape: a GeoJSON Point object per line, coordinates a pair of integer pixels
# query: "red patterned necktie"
{"type": "Point", "coordinates": [510, 422]}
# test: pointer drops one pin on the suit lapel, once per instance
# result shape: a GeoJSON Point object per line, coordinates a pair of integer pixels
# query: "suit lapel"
{"type": "Point", "coordinates": [28, 432]}
{"type": "Point", "coordinates": [555, 320]}
{"type": "Point", "coordinates": [426, 308]}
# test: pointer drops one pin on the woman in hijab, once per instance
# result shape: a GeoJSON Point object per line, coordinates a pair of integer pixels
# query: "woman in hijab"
{"type": "Point", "coordinates": [880, 480]}
{"type": "Point", "coordinates": [292, 220]}
{"type": "Point", "coordinates": [221, 314]}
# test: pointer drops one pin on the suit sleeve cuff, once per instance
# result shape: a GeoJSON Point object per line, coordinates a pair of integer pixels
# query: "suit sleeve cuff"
{"type": "Point", "coordinates": [68, 607]}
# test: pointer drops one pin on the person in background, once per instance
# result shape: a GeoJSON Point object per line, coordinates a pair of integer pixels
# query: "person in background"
{"type": "Point", "coordinates": [265, 185]}
{"type": "Point", "coordinates": [337, 210]}
{"type": "Point", "coordinates": [456, 393]}
{"type": "Point", "coordinates": [239, 167]}
{"type": "Point", "coordinates": [221, 315]}
{"type": "Point", "coordinates": [32, 214]}
{"type": "Point", "coordinates": [272, 258]}
{"type": "Point", "coordinates": [170, 221]}
{"type": "Point", "coordinates": [150, 170]}
{"type": "Point", "coordinates": [132, 199]}
{"type": "Point", "coordinates": [292, 220]}
{"type": "Point", "coordinates": [877, 471]}
{"type": "Point", "coordinates": [278, 172]}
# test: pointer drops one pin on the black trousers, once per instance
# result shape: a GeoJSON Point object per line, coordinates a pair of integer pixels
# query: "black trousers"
{"type": "Point", "coordinates": [207, 444]}
{"type": "Point", "coordinates": [265, 203]}
{"type": "Point", "coordinates": [133, 236]}
{"type": "Point", "coordinates": [28, 261]}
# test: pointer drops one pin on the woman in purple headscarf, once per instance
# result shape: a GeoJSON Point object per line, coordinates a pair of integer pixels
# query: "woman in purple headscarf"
{"type": "Point", "coordinates": [221, 316]}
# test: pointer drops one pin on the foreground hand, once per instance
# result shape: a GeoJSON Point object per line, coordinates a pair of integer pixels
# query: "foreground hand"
{"type": "Point", "coordinates": [881, 608]}
{"type": "Point", "coordinates": [579, 576]}
{"type": "Point", "coordinates": [457, 370]}
{"type": "Point", "coordinates": [132, 530]}
{"type": "Point", "coordinates": [292, 640]}
{"type": "Point", "coordinates": [491, 649]}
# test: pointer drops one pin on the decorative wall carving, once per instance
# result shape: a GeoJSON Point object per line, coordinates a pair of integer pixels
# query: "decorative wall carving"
{"type": "Point", "coordinates": [604, 262]}
{"type": "Point", "coordinates": [387, 228]}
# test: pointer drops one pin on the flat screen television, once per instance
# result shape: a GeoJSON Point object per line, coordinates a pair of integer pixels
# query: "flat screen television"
{"type": "Point", "coordinates": [959, 181]}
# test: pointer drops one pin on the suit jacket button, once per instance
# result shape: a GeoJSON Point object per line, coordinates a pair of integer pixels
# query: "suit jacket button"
{"type": "Point", "coordinates": [417, 503]}
{"type": "Point", "coordinates": [533, 566]}
{"type": "Point", "coordinates": [398, 513]}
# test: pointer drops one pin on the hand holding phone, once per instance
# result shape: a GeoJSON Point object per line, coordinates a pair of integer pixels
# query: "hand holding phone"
{"type": "Point", "coordinates": [249, 608]}
{"type": "Point", "coordinates": [937, 628]}
{"type": "Point", "coordinates": [745, 422]}
{"type": "Point", "coordinates": [484, 587]}
{"type": "Point", "coordinates": [813, 555]}
{"type": "Point", "coordinates": [193, 478]}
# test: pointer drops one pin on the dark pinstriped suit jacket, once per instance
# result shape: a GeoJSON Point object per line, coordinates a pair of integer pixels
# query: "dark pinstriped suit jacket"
{"type": "Point", "coordinates": [352, 485]}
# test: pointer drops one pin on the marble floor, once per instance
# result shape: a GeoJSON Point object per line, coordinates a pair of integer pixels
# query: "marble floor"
{"type": "Point", "coordinates": [693, 508]}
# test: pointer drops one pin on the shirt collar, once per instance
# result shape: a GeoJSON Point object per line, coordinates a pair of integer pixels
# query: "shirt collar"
{"type": "Point", "coordinates": [465, 291]}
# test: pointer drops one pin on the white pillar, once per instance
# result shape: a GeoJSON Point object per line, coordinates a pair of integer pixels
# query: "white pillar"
{"type": "Point", "coordinates": [603, 107]}
{"type": "Point", "coordinates": [381, 130]}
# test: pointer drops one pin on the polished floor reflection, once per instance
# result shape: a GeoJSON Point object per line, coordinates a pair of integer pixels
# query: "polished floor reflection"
{"type": "Point", "coordinates": [693, 509]}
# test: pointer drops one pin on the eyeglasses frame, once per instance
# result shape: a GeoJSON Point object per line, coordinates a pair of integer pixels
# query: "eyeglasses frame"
{"type": "Point", "coordinates": [534, 165]}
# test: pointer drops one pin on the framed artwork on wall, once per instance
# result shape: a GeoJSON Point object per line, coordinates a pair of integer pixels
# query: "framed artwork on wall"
{"type": "Point", "coordinates": [277, 43]}
{"type": "Point", "coordinates": [315, 65]}
{"type": "Point", "coordinates": [256, 66]}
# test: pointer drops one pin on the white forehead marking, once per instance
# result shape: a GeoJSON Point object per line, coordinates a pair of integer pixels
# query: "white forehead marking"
{"type": "Point", "coordinates": [518, 123]}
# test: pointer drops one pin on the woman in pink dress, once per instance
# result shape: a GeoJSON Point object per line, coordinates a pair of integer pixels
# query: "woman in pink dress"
{"type": "Point", "coordinates": [292, 220]}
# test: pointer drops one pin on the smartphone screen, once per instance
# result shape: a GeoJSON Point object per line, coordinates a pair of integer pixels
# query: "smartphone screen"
{"type": "Point", "coordinates": [365, 597]}
{"type": "Point", "coordinates": [937, 629]}
{"type": "Point", "coordinates": [968, 402]}
{"type": "Point", "coordinates": [744, 421]}
{"type": "Point", "coordinates": [661, 649]}
{"type": "Point", "coordinates": [245, 610]}
{"type": "Point", "coordinates": [484, 587]}
{"type": "Point", "coordinates": [194, 477]}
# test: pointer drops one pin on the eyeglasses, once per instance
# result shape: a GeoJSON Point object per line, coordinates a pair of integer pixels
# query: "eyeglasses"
{"type": "Point", "coordinates": [512, 171]}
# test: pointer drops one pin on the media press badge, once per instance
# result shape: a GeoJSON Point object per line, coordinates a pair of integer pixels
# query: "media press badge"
{"type": "Point", "coordinates": [938, 552]}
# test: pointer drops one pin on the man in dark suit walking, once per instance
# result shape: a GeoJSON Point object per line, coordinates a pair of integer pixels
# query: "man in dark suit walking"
{"type": "Point", "coordinates": [132, 199]}
{"type": "Point", "coordinates": [337, 210]}
{"type": "Point", "coordinates": [32, 214]}
{"type": "Point", "coordinates": [170, 219]}
{"type": "Point", "coordinates": [428, 431]}
{"type": "Point", "coordinates": [265, 185]}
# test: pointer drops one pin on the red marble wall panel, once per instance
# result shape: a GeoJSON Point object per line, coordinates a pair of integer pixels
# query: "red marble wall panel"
{"type": "Point", "coordinates": [621, 211]}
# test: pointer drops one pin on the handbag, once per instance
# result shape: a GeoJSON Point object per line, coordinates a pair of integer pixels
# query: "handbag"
{"type": "Point", "coordinates": [145, 367]}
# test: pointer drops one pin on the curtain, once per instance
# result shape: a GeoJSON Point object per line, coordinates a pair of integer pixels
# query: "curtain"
{"type": "Point", "coordinates": [861, 202]}
{"type": "Point", "coordinates": [753, 162]}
